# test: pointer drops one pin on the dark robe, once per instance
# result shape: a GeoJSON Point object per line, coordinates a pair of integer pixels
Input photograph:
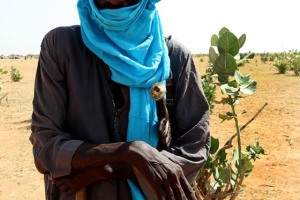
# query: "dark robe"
{"type": "Point", "coordinates": [73, 103]}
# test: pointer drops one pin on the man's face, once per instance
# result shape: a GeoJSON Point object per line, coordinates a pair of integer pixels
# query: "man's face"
{"type": "Point", "coordinates": [113, 4]}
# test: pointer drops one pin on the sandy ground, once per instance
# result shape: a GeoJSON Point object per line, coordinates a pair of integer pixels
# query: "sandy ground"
{"type": "Point", "coordinates": [275, 175]}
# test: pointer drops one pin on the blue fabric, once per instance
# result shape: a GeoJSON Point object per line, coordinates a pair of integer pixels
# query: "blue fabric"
{"type": "Point", "coordinates": [130, 41]}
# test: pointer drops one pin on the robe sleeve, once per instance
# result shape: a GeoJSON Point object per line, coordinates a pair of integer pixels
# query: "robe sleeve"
{"type": "Point", "coordinates": [190, 127]}
{"type": "Point", "coordinates": [53, 148]}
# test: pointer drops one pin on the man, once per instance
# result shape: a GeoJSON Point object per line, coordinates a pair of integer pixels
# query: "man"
{"type": "Point", "coordinates": [94, 124]}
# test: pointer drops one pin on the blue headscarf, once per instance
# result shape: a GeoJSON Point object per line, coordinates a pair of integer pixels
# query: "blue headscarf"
{"type": "Point", "coordinates": [131, 42]}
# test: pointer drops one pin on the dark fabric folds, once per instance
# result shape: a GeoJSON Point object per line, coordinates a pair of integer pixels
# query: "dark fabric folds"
{"type": "Point", "coordinates": [72, 103]}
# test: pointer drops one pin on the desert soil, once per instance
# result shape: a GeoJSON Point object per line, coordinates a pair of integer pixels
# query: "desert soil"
{"type": "Point", "coordinates": [275, 176]}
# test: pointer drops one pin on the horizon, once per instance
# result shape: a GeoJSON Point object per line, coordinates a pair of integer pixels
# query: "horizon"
{"type": "Point", "coordinates": [269, 26]}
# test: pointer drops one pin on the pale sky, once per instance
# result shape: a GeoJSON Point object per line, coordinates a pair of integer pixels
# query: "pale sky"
{"type": "Point", "coordinates": [270, 26]}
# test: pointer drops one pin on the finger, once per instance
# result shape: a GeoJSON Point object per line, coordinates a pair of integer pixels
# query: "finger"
{"type": "Point", "coordinates": [188, 190]}
{"type": "Point", "coordinates": [71, 191]}
{"type": "Point", "coordinates": [168, 190]}
{"type": "Point", "coordinates": [178, 191]}
{"type": "Point", "coordinates": [158, 189]}
{"type": "Point", "coordinates": [59, 182]}
{"type": "Point", "coordinates": [64, 188]}
{"type": "Point", "coordinates": [174, 179]}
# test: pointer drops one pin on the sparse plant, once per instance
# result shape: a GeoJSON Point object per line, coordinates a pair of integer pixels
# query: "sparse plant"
{"type": "Point", "coordinates": [15, 74]}
{"type": "Point", "coordinates": [264, 57]}
{"type": "Point", "coordinates": [208, 87]}
{"type": "Point", "coordinates": [295, 62]}
{"type": "Point", "coordinates": [221, 178]}
{"type": "Point", "coordinates": [2, 72]}
{"type": "Point", "coordinates": [272, 57]}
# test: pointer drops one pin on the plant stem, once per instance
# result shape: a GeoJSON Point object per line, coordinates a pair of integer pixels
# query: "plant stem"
{"type": "Point", "coordinates": [236, 187]}
{"type": "Point", "coordinates": [228, 144]}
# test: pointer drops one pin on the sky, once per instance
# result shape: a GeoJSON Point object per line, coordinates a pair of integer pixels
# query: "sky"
{"type": "Point", "coordinates": [270, 26]}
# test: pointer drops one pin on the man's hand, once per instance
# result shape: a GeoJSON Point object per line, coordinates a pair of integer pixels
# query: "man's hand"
{"type": "Point", "coordinates": [76, 181]}
{"type": "Point", "coordinates": [165, 178]}
{"type": "Point", "coordinates": [82, 178]}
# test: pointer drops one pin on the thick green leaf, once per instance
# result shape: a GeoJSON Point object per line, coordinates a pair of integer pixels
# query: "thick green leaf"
{"type": "Point", "coordinates": [214, 40]}
{"type": "Point", "coordinates": [225, 64]}
{"type": "Point", "coordinates": [256, 144]}
{"type": "Point", "coordinates": [214, 145]}
{"type": "Point", "coordinates": [216, 173]}
{"type": "Point", "coordinates": [226, 89]}
{"type": "Point", "coordinates": [225, 117]}
{"type": "Point", "coordinates": [242, 40]}
{"type": "Point", "coordinates": [233, 84]}
{"type": "Point", "coordinates": [208, 164]}
{"type": "Point", "coordinates": [237, 57]}
{"type": "Point", "coordinates": [223, 30]}
{"type": "Point", "coordinates": [212, 55]}
{"type": "Point", "coordinates": [240, 63]}
{"type": "Point", "coordinates": [221, 175]}
{"type": "Point", "coordinates": [224, 175]}
{"type": "Point", "coordinates": [240, 79]}
{"type": "Point", "coordinates": [248, 167]}
{"type": "Point", "coordinates": [222, 156]}
{"type": "Point", "coordinates": [236, 158]}
{"type": "Point", "coordinates": [223, 78]}
{"type": "Point", "coordinates": [228, 43]}
{"type": "Point", "coordinates": [249, 89]}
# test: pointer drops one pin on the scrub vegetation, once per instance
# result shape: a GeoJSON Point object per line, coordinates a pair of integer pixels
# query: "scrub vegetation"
{"type": "Point", "coordinates": [221, 178]}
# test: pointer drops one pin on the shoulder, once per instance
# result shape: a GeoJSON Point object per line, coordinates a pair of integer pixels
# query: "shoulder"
{"type": "Point", "coordinates": [63, 31]}
{"type": "Point", "coordinates": [64, 44]}
{"type": "Point", "coordinates": [176, 48]}
{"type": "Point", "coordinates": [61, 36]}
{"type": "Point", "coordinates": [181, 58]}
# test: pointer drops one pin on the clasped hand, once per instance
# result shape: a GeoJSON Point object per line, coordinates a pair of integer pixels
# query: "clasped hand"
{"type": "Point", "coordinates": [164, 178]}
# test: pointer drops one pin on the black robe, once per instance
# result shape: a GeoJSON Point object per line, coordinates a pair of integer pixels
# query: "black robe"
{"type": "Point", "coordinates": [73, 103]}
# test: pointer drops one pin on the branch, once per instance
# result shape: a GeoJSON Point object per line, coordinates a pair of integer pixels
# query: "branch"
{"type": "Point", "coordinates": [3, 98]}
{"type": "Point", "coordinates": [228, 144]}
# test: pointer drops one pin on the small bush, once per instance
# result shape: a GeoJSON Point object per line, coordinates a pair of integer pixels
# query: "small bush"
{"type": "Point", "coordinates": [15, 75]}
{"type": "Point", "coordinates": [282, 66]}
{"type": "Point", "coordinates": [295, 65]}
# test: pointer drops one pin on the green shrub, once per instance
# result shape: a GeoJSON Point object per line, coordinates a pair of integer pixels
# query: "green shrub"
{"type": "Point", "coordinates": [282, 66]}
{"type": "Point", "coordinates": [15, 75]}
{"type": "Point", "coordinates": [295, 64]}
{"type": "Point", "coordinates": [221, 177]}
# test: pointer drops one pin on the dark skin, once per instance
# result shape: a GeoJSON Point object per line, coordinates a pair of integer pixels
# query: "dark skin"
{"type": "Point", "coordinates": [114, 4]}
{"type": "Point", "coordinates": [92, 163]}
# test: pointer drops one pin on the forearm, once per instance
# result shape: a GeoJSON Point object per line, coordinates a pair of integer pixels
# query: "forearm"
{"type": "Point", "coordinates": [91, 155]}
{"type": "Point", "coordinates": [106, 172]}
{"type": "Point", "coordinates": [93, 163]}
